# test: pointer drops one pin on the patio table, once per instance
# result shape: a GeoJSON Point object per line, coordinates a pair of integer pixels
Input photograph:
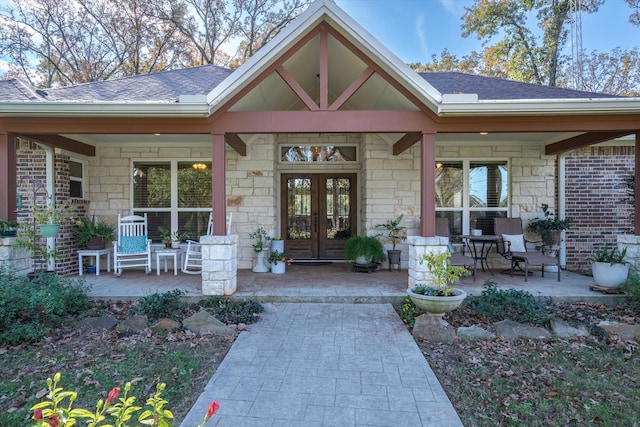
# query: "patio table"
{"type": "Point", "coordinates": [97, 253]}
{"type": "Point", "coordinates": [479, 247]}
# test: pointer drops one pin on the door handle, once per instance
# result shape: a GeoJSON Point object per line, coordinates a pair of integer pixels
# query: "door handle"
{"type": "Point", "coordinates": [315, 222]}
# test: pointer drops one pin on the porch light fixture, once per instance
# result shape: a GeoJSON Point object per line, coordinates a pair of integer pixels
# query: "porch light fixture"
{"type": "Point", "coordinates": [199, 166]}
{"type": "Point", "coordinates": [484, 133]}
{"type": "Point", "coordinates": [156, 134]}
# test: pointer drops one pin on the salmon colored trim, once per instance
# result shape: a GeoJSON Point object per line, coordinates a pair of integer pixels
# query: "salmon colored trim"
{"type": "Point", "coordinates": [427, 184]}
{"type": "Point", "coordinates": [295, 86]}
{"type": "Point", "coordinates": [218, 187]}
{"type": "Point", "coordinates": [8, 175]}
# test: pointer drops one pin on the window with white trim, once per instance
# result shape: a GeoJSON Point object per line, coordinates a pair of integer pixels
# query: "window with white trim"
{"type": "Point", "coordinates": [76, 179]}
{"type": "Point", "coordinates": [471, 193]}
{"type": "Point", "coordinates": [175, 194]}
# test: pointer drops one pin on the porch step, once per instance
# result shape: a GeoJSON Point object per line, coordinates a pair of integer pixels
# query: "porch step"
{"type": "Point", "coordinates": [605, 290]}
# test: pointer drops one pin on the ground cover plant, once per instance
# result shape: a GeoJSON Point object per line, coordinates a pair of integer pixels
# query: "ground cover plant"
{"type": "Point", "coordinates": [592, 380]}
{"type": "Point", "coordinates": [93, 362]}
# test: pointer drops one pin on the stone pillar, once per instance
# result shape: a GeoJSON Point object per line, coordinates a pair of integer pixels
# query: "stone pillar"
{"type": "Point", "coordinates": [13, 257]}
{"type": "Point", "coordinates": [219, 264]}
{"type": "Point", "coordinates": [632, 244]}
{"type": "Point", "coordinates": [419, 246]}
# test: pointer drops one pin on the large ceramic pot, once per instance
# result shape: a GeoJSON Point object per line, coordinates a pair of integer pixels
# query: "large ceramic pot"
{"type": "Point", "coordinates": [436, 305]}
{"type": "Point", "coordinates": [278, 267]}
{"type": "Point", "coordinates": [261, 265]}
{"type": "Point", "coordinates": [609, 275]}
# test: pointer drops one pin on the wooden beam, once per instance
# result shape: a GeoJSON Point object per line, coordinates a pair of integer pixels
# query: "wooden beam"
{"type": "Point", "coordinates": [7, 176]}
{"type": "Point", "coordinates": [583, 140]}
{"type": "Point", "coordinates": [63, 143]}
{"type": "Point", "coordinates": [636, 188]}
{"type": "Point", "coordinates": [297, 89]}
{"type": "Point", "coordinates": [324, 68]}
{"type": "Point", "coordinates": [106, 125]}
{"type": "Point", "coordinates": [406, 142]}
{"type": "Point", "coordinates": [218, 186]}
{"type": "Point", "coordinates": [353, 87]}
{"type": "Point", "coordinates": [236, 143]}
{"type": "Point", "coordinates": [428, 185]}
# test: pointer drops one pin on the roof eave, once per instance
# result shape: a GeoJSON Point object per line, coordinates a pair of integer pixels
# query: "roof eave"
{"type": "Point", "coordinates": [541, 107]}
{"type": "Point", "coordinates": [103, 109]}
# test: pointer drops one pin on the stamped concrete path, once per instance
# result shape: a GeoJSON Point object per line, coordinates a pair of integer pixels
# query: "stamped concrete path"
{"type": "Point", "coordinates": [312, 364]}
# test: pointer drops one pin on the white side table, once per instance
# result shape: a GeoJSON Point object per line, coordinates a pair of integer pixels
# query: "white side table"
{"type": "Point", "coordinates": [166, 253]}
{"type": "Point", "coordinates": [97, 253]}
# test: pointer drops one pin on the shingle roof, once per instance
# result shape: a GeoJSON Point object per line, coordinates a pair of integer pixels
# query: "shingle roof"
{"type": "Point", "coordinates": [165, 86]}
{"type": "Point", "coordinates": [491, 88]}
{"type": "Point", "coordinates": [16, 90]}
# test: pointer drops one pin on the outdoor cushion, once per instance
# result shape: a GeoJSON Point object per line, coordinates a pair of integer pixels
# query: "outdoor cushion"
{"type": "Point", "coordinates": [133, 244]}
{"type": "Point", "coordinates": [517, 242]}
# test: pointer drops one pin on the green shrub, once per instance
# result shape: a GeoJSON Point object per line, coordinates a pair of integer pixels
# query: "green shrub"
{"type": "Point", "coordinates": [167, 305]}
{"type": "Point", "coordinates": [497, 305]}
{"type": "Point", "coordinates": [631, 287]}
{"type": "Point", "coordinates": [231, 311]}
{"type": "Point", "coordinates": [29, 309]}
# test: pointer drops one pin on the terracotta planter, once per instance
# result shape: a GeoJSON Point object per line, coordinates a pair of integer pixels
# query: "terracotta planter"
{"type": "Point", "coordinates": [609, 276]}
{"type": "Point", "coordinates": [436, 305]}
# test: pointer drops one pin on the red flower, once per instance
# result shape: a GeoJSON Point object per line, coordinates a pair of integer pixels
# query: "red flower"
{"type": "Point", "coordinates": [37, 414]}
{"type": "Point", "coordinates": [53, 420]}
{"type": "Point", "coordinates": [213, 408]}
{"type": "Point", "coordinates": [113, 394]}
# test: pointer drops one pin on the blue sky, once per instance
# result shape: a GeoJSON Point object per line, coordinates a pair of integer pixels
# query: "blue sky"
{"type": "Point", "coordinates": [416, 29]}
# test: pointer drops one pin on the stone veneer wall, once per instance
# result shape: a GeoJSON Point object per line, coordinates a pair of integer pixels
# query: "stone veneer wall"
{"type": "Point", "coordinates": [595, 194]}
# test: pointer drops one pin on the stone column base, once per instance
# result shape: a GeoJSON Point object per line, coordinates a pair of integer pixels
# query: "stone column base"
{"type": "Point", "coordinates": [219, 264]}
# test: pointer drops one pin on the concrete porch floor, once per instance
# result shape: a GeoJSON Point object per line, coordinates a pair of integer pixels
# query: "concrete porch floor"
{"type": "Point", "coordinates": [334, 283]}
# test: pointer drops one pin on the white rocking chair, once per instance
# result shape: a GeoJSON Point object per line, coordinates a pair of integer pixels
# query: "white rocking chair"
{"type": "Point", "coordinates": [193, 256]}
{"type": "Point", "coordinates": [133, 247]}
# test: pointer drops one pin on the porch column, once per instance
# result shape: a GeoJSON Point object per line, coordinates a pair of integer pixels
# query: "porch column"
{"type": "Point", "coordinates": [637, 186]}
{"type": "Point", "coordinates": [427, 184]}
{"type": "Point", "coordinates": [418, 247]}
{"type": "Point", "coordinates": [8, 175]}
{"type": "Point", "coordinates": [218, 184]}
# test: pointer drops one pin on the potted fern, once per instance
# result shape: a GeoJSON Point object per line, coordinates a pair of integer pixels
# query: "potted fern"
{"type": "Point", "coordinates": [364, 252]}
{"type": "Point", "coordinates": [609, 267]}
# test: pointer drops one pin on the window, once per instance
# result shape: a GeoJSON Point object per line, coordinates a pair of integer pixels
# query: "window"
{"type": "Point", "coordinates": [471, 193]}
{"type": "Point", "coordinates": [318, 153]}
{"type": "Point", "coordinates": [76, 179]}
{"type": "Point", "coordinates": [174, 194]}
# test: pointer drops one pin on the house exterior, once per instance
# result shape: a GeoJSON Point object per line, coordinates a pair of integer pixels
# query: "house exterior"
{"type": "Point", "coordinates": [321, 135]}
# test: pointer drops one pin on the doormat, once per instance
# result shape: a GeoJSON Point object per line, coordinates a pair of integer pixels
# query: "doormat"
{"type": "Point", "coordinates": [311, 262]}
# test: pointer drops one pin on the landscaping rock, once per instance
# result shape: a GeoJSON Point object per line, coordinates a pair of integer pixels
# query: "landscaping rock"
{"type": "Point", "coordinates": [475, 332]}
{"type": "Point", "coordinates": [202, 322]}
{"type": "Point", "coordinates": [623, 330]}
{"type": "Point", "coordinates": [134, 323]}
{"type": "Point", "coordinates": [509, 329]}
{"type": "Point", "coordinates": [563, 329]}
{"type": "Point", "coordinates": [166, 325]}
{"type": "Point", "coordinates": [433, 329]}
{"type": "Point", "coordinates": [107, 322]}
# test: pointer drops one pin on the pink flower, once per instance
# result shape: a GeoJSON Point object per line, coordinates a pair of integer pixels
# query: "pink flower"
{"type": "Point", "coordinates": [213, 408]}
{"type": "Point", "coordinates": [113, 394]}
{"type": "Point", "coordinates": [37, 414]}
{"type": "Point", "coordinates": [54, 421]}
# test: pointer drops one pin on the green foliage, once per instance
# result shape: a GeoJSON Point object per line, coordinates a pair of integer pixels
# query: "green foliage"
{"type": "Point", "coordinates": [29, 309]}
{"type": "Point", "coordinates": [395, 232]}
{"type": "Point", "coordinates": [547, 227]}
{"type": "Point", "coordinates": [409, 312]}
{"type": "Point", "coordinates": [85, 230]}
{"type": "Point", "coordinates": [614, 256]}
{"type": "Point", "coordinates": [497, 305]}
{"type": "Point", "coordinates": [232, 311]}
{"type": "Point", "coordinates": [368, 247]}
{"type": "Point", "coordinates": [443, 274]}
{"type": "Point", "coordinates": [276, 256]}
{"type": "Point", "coordinates": [260, 235]}
{"type": "Point", "coordinates": [167, 305]}
{"type": "Point", "coordinates": [631, 287]}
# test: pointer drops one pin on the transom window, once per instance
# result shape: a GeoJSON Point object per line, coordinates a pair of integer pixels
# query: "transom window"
{"type": "Point", "coordinates": [318, 153]}
{"type": "Point", "coordinates": [471, 193]}
{"type": "Point", "coordinates": [175, 194]}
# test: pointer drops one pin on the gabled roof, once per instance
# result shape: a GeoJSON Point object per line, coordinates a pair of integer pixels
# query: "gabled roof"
{"type": "Point", "coordinates": [17, 90]}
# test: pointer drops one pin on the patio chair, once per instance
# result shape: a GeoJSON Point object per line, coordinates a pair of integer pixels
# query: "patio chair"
{"type": "Point", "coordinates": [457, 259]}
{"type": "Point", "coordinates": [133, 247]}
{"type": "Point", "coordinates": [193, 256]}
{"type": "Point", "coordinates": [512, 245]}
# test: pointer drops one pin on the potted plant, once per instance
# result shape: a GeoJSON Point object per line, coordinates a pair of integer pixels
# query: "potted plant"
{"type": "Point", "coordinates": [609, 267]}
{"type": "Point", "coordinates": [171, 239]}
{"type": "Point", "coordinates": [260, 236]}
{"type": "Point", "coordinates": [92, 235]}
{"type": "Point", "coordinates": [395, 233]}
{"type": "Point", "coordinates": [439, 297]}
{"type": "Point", "coordinates": [40, 251]}
{"type": "Point", "coordinates": [548, 227]}
{"type": "Point", "coordinates": [364, 252]}
{"type": "Point", "coordinates": [279, 261]}
{"type": "Point", "coordinates": [49, 217]}
{"type": "Point", "coordinates": [8, 227]}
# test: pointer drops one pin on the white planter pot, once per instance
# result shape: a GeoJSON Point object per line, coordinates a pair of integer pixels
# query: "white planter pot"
{"type": "Point", "coordinates": [277, 245]}
{"type": "Point", "coordinates": [261, 265]}
{"type": "Point", "coordinates": [609, 276]}
{"type": "Point", "coordinates": [279, 267]}
{"type": "Point", "coordinates": [435, 305]}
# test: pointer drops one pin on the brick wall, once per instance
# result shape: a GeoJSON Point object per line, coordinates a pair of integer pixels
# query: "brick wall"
{"type": "Point", "coordinates": [595, 194]}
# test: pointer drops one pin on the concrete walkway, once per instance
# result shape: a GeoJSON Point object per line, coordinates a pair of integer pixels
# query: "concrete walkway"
{"type": "Point", "coordinates": [310, 364]}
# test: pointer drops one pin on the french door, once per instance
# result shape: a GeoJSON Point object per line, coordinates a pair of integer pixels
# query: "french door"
{"type": "Point", "coordinates": [318, 214]}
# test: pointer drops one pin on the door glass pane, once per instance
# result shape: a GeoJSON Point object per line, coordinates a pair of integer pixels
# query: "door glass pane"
{"type": "Point", "coordinates": [449, 184]}
{"type": "Point", "coordinates": [338, 191]}
{"type": "Point", "coordinates": [488, 184]}
{"type": "Point", "coordinates": [299, 208]}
